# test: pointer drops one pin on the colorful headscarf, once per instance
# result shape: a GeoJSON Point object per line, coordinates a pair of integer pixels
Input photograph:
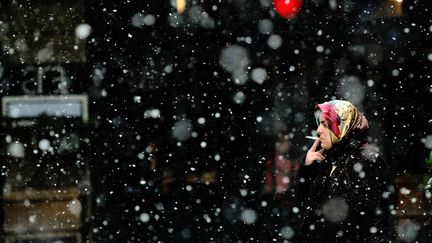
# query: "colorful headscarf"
{"type": "Point", "coordinates": [342, 117]}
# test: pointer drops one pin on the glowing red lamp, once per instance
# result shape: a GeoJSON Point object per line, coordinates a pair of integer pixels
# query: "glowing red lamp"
{"type": "Point", "coordinates": [287, 8]}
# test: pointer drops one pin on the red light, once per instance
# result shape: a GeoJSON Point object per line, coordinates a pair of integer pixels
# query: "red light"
{"type": "Point", "coordinates": [287, 8]}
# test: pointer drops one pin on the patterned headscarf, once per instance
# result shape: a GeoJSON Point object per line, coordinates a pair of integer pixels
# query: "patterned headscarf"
{"type": "Point", "coordinates": [342, 118]}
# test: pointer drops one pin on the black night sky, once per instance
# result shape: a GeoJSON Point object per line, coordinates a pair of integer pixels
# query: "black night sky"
{"type": "Point", "coordinates": [186, 108]}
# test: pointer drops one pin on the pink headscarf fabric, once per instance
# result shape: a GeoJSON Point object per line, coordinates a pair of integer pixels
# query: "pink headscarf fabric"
{"type": "Point", "coordinates": [342, 117]}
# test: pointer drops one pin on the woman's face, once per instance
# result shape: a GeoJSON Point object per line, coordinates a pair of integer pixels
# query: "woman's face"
{"type": "Point", "coordinates": [324, 135]}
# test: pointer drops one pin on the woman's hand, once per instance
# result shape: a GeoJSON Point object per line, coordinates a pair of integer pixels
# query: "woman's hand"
{"type": "Point", "coordinates": [313, 155]}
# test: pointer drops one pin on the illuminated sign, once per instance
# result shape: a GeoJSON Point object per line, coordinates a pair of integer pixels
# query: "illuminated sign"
{"type": "Point", "coordinates": [69, 106]}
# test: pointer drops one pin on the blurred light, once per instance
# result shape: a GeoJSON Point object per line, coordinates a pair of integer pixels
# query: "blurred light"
{"type": "Point", "coordinates": [395, 7]}
{"type": "Point", "coordinates": [335, 209]}
{"type": "Point", "coordinates": [145, 217]}
{"type": "Point", "coordinates": [274, 41]}
{"type": "Point", "coordinates": [287, 9]}
{"type": "Point", "coordinates": [287, 232]}
{"type": "Point", "coordinates": [16, 150]}
{"type": "Point", "coordinates": [44, 144]}
{"type": "Point", "coordinates": [259, 75]}
{"type": "Point", "coordinates": [248, 216]}
{"type": "Point", "coordinates": [82, 31]}
{"type": "Point", "coordinates": [239, 97]}
{"type": "Point", "coordinates": [182, 130]}
{"type": "Point", "coordinates": [180, 6]}
{"type": "Point", "coordinates": [265, 26]}
{"type": "Point", "coordinates": [234, 59]}
{"type": "Point", "coordinates": [75, 207]}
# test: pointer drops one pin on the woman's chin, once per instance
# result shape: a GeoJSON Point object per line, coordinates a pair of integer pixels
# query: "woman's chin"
{"type": "Point", "coordinates": [325, 146]}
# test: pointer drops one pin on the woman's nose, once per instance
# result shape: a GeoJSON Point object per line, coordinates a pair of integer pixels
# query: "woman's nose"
{"type": "Point", "coordinates": [319, 130]}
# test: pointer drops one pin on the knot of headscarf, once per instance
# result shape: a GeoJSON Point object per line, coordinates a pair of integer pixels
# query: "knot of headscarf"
{"type": "Point", "coordinates": [342, 118]}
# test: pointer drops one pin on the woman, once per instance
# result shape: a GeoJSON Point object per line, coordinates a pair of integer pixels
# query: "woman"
{"type": "Point", "coordinates": [340, 187]}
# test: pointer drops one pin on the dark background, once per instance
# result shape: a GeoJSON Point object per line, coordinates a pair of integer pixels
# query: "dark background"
{"type": "Point", "coordinates": [139, 168]}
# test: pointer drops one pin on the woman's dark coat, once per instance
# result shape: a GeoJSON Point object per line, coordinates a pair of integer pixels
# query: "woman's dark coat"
{"type": "Point", "coordinates": [348, 204]}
